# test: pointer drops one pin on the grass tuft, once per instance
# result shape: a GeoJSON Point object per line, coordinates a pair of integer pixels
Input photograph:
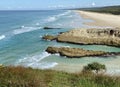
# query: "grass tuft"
{"type": "Point", "coordinates": [28, 77]}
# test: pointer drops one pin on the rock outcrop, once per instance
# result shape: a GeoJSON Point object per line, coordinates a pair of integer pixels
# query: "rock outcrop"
{"type": "Point", "coordinates": [50, 28]}
{"type": "Point", "coordinates": [91, 36]}
{"type": "Point", "coordinates": [74, 52]}
{"type": "Point", "coordinates": [49, 37]}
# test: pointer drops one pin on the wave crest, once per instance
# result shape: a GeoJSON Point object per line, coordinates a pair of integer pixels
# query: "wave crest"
{"type": "Point", "coordinates": [50, 19]}
{"type": "Point", "coordinates": [2, 37]}
{"type": "Point", "coordinates": [63, 14]}
{"type": "Point", "coordinates": [24, 29]}
{"type": "Point", "coordinates": [56, 17]}
{"type": "Point", "coordinates": [35, 58]}
{"type": "Point", "coordinates": [35, 61]}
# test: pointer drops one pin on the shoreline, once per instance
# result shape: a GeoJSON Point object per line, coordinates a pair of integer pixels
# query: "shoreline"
{"type": "Point", "coordinates": [100, 19]}
{"type": "Point", "coordinates": [104, 20]}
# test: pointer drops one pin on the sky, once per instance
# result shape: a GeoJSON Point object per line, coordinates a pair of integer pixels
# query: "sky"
{"type": "Point", "coordinates": [53, 4]}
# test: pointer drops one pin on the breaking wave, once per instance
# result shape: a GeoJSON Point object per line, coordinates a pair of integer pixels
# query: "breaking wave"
{"type": "Point", "coordinates": [2, 37]}
{"type": "Point", "coordinates": [35, 61]}
{"type": "Point", "coordinates": [56, 17]}
{"type": "Point", "coordinates": [51, 19]}
{"type": "Point", "coordinates": [24, 29]}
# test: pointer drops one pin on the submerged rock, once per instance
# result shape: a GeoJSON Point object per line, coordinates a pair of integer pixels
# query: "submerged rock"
{"type": "Point", "coordinates": [74, 52]}
{"type": "Point", "coordinates": [49, 37]}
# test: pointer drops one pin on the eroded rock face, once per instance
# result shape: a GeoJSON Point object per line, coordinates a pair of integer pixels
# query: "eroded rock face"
{"type": "Point", "coordinates": [74, 52]}
{"type": "Point", "coordinates": [91, 36]}
{"type": "Point", "coordinates": [49, 37]}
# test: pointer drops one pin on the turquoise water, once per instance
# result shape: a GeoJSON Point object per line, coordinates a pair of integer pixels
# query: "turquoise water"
{"type": "Point", "coordinates": [21, 43]}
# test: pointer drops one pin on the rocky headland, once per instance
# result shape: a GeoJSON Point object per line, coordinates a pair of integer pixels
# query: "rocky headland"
{"type": "Point", "coordinates": [109, 37]}
{"type": "Point", "coordinates": [78, 52]}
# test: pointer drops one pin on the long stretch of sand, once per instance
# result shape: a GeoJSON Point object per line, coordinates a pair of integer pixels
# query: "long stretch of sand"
{"type": "Point", "coordinates": [101, 19]}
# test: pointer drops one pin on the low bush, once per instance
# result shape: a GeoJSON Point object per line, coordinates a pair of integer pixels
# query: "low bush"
{"type": "Point", "coordinates": [94, 67]}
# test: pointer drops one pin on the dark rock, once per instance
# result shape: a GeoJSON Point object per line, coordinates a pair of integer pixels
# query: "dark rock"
{"type": "Point", "coordinates": [50, 28]}
{"type": "Point", "coordinates": [61, 32]}
{"type": "Point", "coordinates": [49, 37]}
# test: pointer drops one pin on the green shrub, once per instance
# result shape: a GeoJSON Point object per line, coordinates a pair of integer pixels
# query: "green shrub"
{"type": "Point", "coordinates": [94, 67]}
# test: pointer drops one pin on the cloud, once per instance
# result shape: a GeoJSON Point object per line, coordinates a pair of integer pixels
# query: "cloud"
{"type": "Point", "coordinates": [62, 6]}
{"type": "Point", "coordinates": [56, 6]}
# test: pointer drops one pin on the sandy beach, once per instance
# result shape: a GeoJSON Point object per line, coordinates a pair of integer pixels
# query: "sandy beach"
{"type": "Point", "coordinates": [101, 19]}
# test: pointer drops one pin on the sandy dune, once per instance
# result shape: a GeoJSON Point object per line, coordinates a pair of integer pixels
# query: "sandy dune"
{"type": "Point", "coordinates": [101, 19]}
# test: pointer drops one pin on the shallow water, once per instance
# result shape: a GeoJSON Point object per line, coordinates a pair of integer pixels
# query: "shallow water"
{"type": "Point", "coordinates": [21, 43]}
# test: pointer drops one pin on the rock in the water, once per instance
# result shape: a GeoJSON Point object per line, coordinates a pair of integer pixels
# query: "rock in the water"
{"type": "Point", "coordinates": [91, 36]}
{"type": "Point", "coordinates": [50, 28]}
{"type": "Point", "coordinates": [49, 37]}
{"type": "Point", "coordinates": [74, 52]}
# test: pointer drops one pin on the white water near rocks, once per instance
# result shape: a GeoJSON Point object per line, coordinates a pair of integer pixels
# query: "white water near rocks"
{"type": "Point", "coordinates": [21, 40]}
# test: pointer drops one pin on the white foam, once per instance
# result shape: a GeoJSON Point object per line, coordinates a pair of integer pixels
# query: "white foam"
{"type": "Point", "coordinates": [66, 46]}
{"type": "Point", "coordinates": [63, 14]}
{"type": "Point", "coordinates": [22, 26]}
{"type": "Point", "coordinates": [36, 58]}
{"type": "Point", "coordinates": [35, 61]}
{"type": "Point", "coordinates": [57, 54]}
{"type": "Point", "coordinates": [56, 17]}
{"type": "Point", "coordinates": [43, 65]}
{"type": "Point", "coordinates": [37, 24]}
{"type": "Point", "coordinates": [2, 37]}
{"type": "Point", "coordinates": [56, 45]}
{"type": "Point", "coordinates": [51, 19]}
{"type": "Point", "coordinates": [24, 29]}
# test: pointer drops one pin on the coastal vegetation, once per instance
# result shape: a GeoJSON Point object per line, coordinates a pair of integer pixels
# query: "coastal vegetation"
{"type": "Point", "coordinates": [95, 66]}
{"type": "Point", "coordinates": [109, 9]}
{"type": "Point", "coordinates": [28, 77]}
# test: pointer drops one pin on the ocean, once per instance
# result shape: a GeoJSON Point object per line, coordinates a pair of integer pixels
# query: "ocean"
{"type": "Point", "coordinates": [21, 42]}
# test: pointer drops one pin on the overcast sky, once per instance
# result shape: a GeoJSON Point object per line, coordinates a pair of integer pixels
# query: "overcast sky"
{"type": "Point", "coordinates": [53, 4]}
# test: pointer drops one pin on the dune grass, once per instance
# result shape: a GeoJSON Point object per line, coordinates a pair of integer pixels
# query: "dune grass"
{"type": "Point", "coordinates": [28, 77]}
